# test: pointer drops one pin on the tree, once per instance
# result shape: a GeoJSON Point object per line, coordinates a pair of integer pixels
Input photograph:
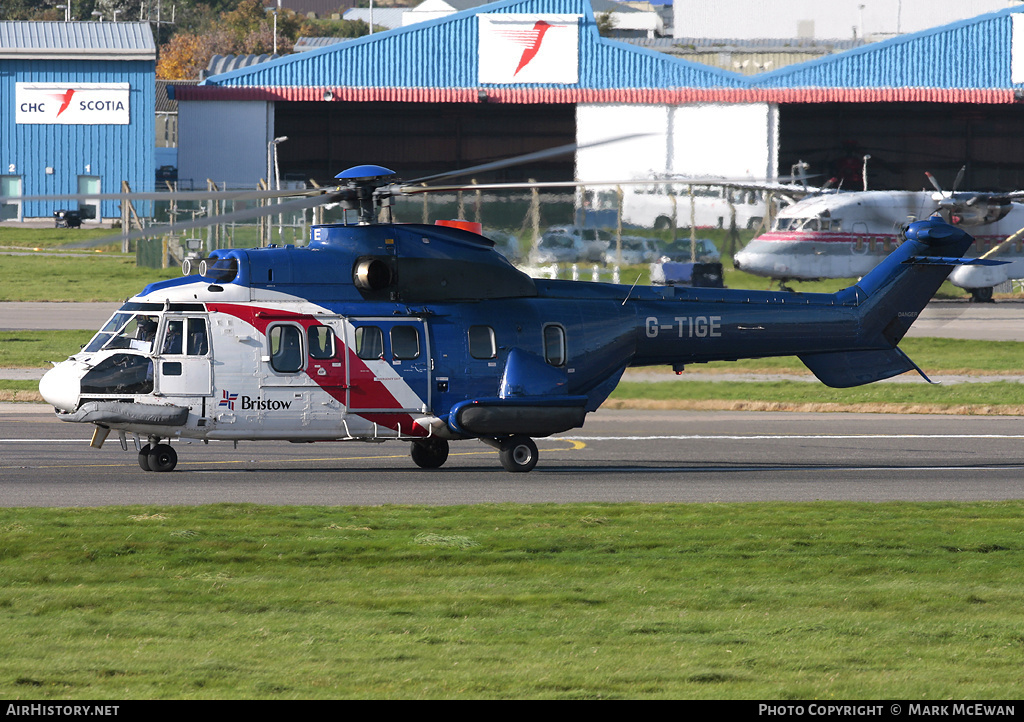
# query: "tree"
{"type": "Point", "coordinates": [243, 27]}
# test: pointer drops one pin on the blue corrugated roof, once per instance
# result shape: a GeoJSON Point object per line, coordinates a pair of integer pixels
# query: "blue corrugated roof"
{"type": "Point", "coordinates": [75, 39]}
{"type": "Point", "coordinates": [970, 55]}
{"type": "Point", "coordinates": [442, 53]}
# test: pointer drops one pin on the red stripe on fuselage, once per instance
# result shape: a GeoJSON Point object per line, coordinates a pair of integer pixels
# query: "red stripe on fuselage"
{"type": "Point", "coordinates": [373, 393]}
{"type": "Point", "coordinates": [833, 237]}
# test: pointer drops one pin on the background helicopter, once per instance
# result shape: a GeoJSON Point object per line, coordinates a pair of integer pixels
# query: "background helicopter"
{"type": "Point", "coordinates": [380, 330]}
{"type": "Point", "coordinates": [844, 234]}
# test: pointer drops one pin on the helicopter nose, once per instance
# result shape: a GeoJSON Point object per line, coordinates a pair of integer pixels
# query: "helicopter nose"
{"type": "Point", "coordinates": [61, 386]}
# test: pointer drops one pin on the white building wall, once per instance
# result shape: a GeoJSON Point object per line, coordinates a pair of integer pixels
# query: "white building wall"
{"type": "Point", "coordinates": [225, 141]}
{"type": "Point", "coordinates": [720, 140]}
{"type": "Point", "coordinates": [834, 19]}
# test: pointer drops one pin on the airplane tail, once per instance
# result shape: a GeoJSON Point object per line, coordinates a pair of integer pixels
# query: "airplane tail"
{"type": "Point", "coordinates": [889, 300]}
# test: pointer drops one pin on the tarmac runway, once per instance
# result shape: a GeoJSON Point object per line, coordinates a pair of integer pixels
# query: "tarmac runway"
{"type": "Point", "coordinates": [618, 456]}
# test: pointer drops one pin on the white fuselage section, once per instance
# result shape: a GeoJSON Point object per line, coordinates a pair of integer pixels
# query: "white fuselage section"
{"type": "Point", "coordinates": [845, 235]}
{"type": "Point", "coordinates": [280, 368]}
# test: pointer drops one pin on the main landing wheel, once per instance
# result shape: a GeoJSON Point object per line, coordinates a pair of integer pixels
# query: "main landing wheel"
{"type": "Point", "coordinates": [518, 454]}
{"type": "Point", "coordinates": [162, 457]}
{"type": "Point", "coordinates": [429, 453]}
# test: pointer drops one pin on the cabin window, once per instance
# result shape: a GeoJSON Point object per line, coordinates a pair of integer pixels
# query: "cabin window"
{"type": "Point", "coordinates": [285, 348]}
{"type": "Point", "coordinates": [185, 336]}
{"type": "Point", "coordinates": [369, 342]}
{"type": "Point", "coordinates": [197, 342]}
{"type": "Point", "coordinates": [405, 342]}
{"type": "Point", "coordinates": [321, 342]}
{"type": "Point", "coordinates": [172, 337]}
{"type": "Point", "coordinates": [554, 345]}
{"type": "Point", "coordinates": [481, 342]}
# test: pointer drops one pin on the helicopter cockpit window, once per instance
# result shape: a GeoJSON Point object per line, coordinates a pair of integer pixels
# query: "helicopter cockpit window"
{"type": "Point", "coordinates": [405, 342]}
{"type": "Point", "coordinates": [321, 342]}
{"type": "Point", "coordinates": [126, 330]}
{"type": "Point", "coordinates": [554, 345]}
{"type": "Point", "coordinates": [285, 348]}
{"type": "Point", "coordinates": [481, 342]}
{"type": "Point", "coordinates": [369, 342]}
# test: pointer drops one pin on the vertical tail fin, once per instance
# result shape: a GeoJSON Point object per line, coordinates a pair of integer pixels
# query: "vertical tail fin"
{"type": "Point", "coordinates": [890, 298]}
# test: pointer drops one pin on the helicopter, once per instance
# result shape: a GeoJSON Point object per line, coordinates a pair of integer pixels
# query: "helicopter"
{"type": "Point", "coordinates": [844, 234]}
{"type": "Point", "coordinates": [383, 331]}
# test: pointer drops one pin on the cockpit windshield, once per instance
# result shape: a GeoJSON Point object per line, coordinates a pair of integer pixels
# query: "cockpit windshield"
{"type": "Point", "coordinates": [126, 330]}
{"type": "Point", "coordinates": [816, 223]}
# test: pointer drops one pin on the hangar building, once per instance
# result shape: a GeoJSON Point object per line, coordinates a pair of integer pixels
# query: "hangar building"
{"type": "Point", "coordinates": [77, 113]}
{"type": "Point", "coordinates": [517, 76]}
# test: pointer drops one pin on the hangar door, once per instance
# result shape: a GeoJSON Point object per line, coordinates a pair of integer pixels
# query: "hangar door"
{"type": "Point", "coordinates": [419, 139]}
{"type": "Point", "coordinates": [904, 140]}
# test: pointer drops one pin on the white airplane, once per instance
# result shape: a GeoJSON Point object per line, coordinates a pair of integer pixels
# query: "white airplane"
{"type": "Point", "coordinates": [846, 234]}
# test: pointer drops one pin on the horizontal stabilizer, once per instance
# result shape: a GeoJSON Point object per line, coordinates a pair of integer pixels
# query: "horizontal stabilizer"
{"type": "Point", "coordinates": [946, 261]}
{"type": "Point", "coordinates": [843, 369]}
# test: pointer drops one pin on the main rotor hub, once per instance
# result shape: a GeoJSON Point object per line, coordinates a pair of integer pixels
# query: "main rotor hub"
{"type": "Point", "coordinates": [363, 184]}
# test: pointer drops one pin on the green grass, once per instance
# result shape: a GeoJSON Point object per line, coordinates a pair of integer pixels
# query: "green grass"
{"type": "Point", "coordinates": [953, 396]}
{"type": "Point", "coordinates": [36, 349]}
{"type": "Point", "coordinates": [12, 238]}
{"type": "Point", "coordinates": [731, 601]}
{"type": "Point", "coordinates": [86, 277]}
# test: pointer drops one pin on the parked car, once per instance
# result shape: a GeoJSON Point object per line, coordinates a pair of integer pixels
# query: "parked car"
{"type": "Point", "coordinates": [634, 250]}
{"type": "Point", "coordinates": [565, 244]}
{"type": "Point", "coordinates": [679, 250]}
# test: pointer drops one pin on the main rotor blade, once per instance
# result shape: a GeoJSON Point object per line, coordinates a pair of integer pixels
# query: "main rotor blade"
{"type": "Point", "coordinates": [244, 214]}
{"type": "Point", "coordinates": [528, 158]}
{"type": "Point", "coordinates": [728, 182]}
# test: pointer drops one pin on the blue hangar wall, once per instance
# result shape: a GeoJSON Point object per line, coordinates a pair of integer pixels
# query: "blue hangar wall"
{"type": "Point", "coordinates": [104, 73]}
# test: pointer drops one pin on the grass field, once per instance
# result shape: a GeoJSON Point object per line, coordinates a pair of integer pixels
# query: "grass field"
{"type": "Point", "coordinates": [819, 601]}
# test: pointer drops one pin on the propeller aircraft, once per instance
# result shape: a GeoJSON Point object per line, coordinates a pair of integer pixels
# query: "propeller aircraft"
{"type": "Point", "coordinates": [844, 234]}
{"type": "Point", "coordinates": [379, 331]}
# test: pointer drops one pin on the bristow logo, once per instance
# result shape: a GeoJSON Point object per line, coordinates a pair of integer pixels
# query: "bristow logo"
{"type": "Point", "coordinates": [249, 403]}
{"type": "Point", "coordinates": [263, 404]}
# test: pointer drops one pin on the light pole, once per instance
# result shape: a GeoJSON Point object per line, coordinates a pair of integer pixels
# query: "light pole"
{"type": "Point", "coordinates": [272, 167]}
{"type": "Point", "coordinates": [67, 11]}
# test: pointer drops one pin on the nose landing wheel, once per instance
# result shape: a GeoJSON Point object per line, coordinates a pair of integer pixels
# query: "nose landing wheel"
{"type": "Point", "coordinates": [430, 453]}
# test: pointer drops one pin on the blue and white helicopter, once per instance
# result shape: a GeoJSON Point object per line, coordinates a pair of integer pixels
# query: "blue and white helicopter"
{"type": "Point", "coordinates": [425, 334]}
